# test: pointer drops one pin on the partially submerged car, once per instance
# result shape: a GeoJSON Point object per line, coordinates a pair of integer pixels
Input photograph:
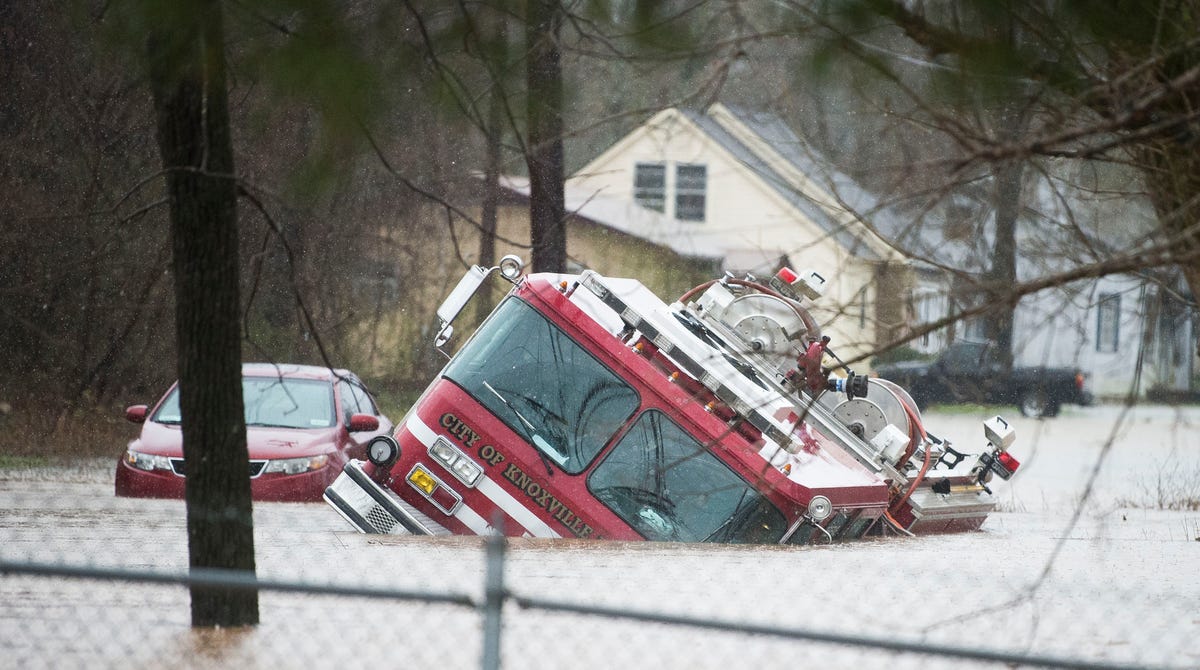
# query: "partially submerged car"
{"type": "Point", "coordinates": [303, 424]}
{"type": "Point", "coordinates": [584, 406]}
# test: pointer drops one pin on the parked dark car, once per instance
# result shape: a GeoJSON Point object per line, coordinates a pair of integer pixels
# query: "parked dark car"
{"type": "Point", "coordinates": [303, 423]}
{"type": "Point", "coordinates": [968, 372]}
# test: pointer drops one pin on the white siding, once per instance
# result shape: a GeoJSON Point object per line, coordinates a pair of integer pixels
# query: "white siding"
{"type": "Point", "coordinates": [745, 218]}
{"type": "Point", "coordinates": [1058, 328]}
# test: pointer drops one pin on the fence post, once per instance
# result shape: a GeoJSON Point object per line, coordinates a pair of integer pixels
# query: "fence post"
{"type": "Point", "coordinates": [493, 601]}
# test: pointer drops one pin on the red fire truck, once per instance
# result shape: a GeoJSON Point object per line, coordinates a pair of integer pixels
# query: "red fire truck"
{"type": "Point", "coordinates": [586, 407]}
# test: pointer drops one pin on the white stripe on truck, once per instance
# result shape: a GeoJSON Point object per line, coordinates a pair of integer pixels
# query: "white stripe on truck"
{"type": "Point", "coordinates": [489, 488]}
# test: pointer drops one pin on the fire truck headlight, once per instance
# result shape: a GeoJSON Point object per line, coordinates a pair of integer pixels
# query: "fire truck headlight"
{"type": "Point", "coordinates": [443, 452]}
{"type": "Point", "coordinates": [467, 471]}
{"type": "Point", "coordinates": [819, 508]}
{"type": "Point", "coordinates": [511, 266]}
{"type": "Point", "coordinates": [458, 463]}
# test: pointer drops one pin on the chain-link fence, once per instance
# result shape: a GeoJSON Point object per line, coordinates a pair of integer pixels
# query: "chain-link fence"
{"type": "Point", "coordinates": [92, 580]}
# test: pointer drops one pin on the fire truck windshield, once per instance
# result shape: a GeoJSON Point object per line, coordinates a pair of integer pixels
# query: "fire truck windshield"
{"type": "Point", "coordinates": [543, 385]}
{"type": "Point", "coordinates": [669, 487]}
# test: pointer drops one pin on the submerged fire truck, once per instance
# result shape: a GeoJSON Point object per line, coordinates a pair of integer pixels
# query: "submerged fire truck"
{"type": "Point", "coordinates": [586, 407]}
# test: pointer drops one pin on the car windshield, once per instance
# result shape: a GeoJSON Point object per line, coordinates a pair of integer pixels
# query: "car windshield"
{"type": "Point", "coordinates": [669, 487]}
{"type": "Point", "coordinates": [276, 402]}
{"type": "Point", "coordinates": [543, 385]}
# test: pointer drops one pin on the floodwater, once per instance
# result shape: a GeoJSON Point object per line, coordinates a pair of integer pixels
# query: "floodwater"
{"type": "Point", "coordinates": [1121, 586]}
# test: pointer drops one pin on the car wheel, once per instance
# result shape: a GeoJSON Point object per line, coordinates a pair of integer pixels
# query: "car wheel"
{"type": "Point", "coordinates": [1034, 403]}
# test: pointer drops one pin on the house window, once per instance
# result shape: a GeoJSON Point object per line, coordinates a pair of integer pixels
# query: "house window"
{"type": "Point", "coordinates": [930, 307]}
{"type": "Point", "coordinates": [650, 186]}
{"type": "Point", "coordinates": [1108, 324]}
{"type": "Point", "coordinates": [690, 185]}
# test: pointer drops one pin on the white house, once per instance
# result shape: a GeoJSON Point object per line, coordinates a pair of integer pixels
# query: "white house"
{"type": "Point", "coordinates": [1126, 332]}
{"type": "Point", "coordinates": [1130, 333]}
{"type": "Point", "coordinates": [741, 187]}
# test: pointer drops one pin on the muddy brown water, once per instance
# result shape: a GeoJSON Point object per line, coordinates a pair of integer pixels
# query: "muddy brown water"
{"type": "Point", "coordinates": [1121, 588]}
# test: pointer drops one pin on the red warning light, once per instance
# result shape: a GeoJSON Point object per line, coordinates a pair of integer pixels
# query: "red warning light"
{"type": "Point", "coordinates": [1010, 463]}
{"type": "Point", "coordinates": [787, 276]}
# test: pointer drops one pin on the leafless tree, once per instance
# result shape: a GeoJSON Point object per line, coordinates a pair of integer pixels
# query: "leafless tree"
{"type": "Point", "coordinates": [185, 58]}
{"type": "Point", "coordinates": [1116, 82]}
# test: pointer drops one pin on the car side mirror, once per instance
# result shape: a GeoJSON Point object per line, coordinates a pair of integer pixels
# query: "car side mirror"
{"type": "Point", "coordinates": [362, 423]}
{"type": "Point", "coordinates": [136, 413]}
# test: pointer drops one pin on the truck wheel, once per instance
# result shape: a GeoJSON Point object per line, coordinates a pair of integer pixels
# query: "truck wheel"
{"type": "Point", "coordinates": [1034, 403]}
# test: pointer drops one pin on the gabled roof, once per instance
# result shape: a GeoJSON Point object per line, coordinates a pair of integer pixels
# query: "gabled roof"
{"type": "Point", "coordinates": [770, 151]}
{"type": "Point", "coordinates": [777, 136]}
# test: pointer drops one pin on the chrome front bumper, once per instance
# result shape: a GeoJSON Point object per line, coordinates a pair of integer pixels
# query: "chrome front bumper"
{"type": "Point", "coordinates": [374, 509]}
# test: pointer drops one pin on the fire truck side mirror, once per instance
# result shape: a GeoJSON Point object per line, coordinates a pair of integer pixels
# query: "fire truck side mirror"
{"type": "Point", "coordinates": [462, 294]}
{"type": "Point", "coordinates": [510, 268]}
{"type": "Point", "coordinates": [458, 299]}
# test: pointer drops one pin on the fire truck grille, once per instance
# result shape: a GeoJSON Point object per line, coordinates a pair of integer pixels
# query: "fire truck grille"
{"type": "Point", "coordinates": [375, 509]}
{"type": "Point", "coordinates": [380, 520]}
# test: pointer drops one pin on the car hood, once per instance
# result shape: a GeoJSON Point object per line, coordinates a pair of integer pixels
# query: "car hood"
{"type": "Point", "coordinates": [263, 443]}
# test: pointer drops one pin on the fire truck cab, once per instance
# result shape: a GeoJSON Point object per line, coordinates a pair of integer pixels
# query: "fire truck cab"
{"type": "Point", "coordinates": [586, 407]}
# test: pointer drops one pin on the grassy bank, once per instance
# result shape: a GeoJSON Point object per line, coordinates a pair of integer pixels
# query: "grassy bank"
{"type": "Point", "coordinates": [36, 430]}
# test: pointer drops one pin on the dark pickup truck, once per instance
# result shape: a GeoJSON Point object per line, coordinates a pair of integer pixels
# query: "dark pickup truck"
{"type": "Point", "coordinates": [969, 372]}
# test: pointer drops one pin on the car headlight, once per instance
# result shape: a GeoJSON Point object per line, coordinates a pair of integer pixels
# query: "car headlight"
{"type": "Point", "coordinates": [296, 466]}
{"type": "Point", "coordinates": [148, 462]}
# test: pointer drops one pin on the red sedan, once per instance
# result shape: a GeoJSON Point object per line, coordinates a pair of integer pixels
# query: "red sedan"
{"type": "Point", "coordinates": [303, 423]}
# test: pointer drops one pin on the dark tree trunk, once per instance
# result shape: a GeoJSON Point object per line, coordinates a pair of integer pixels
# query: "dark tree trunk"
{"type": "Point", "coordinates": [1002, 273]}
{"type": "Point", "coordinates": [188, 79]}
{"type": "Point", "coordinates": [547, 216]}
{"type": "Point", "coordinates": [491, 197]}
